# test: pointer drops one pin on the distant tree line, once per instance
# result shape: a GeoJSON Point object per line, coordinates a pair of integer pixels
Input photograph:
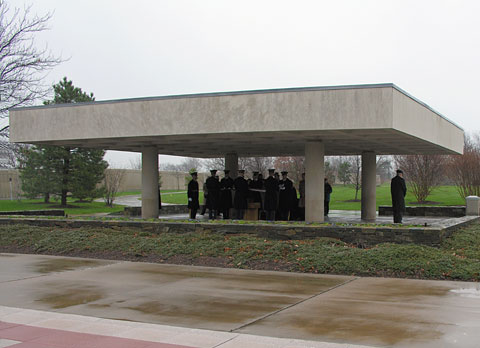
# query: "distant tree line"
{"type": "Point", "coordinates": [423, 173]}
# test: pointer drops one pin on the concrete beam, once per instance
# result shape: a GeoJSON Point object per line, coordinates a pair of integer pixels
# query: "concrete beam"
{"type": "Point", "coordinates": [348, 119]}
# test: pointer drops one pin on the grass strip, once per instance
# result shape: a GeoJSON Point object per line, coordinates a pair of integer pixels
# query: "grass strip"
{"type": "Point", "coordinates": [457, 258]}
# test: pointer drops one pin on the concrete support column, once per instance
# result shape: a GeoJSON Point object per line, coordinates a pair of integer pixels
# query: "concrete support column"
{"type": "Point", "coordinates": [314, 181]}
{"type": "Point", "coordinates": [369, 186]}
{"type": "Point", "coordinates": [149, 182]}
{"type": "Point", "coordinates": [231, 163]}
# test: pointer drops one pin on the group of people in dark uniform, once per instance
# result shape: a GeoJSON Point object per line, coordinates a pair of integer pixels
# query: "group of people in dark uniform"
{"type": "Point", "coordinates": [276, 197]}
{"type": "Point", "coordinates": [279, 201]}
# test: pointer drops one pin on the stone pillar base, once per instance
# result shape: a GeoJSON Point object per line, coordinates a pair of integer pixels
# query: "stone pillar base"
{"type": "Point", "coordinates": [473, 206]}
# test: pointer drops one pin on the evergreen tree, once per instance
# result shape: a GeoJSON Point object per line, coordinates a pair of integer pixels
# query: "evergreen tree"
{"type": "Point", "coordinates": [88, 168]}
{"type": "Point", "coordinates": [60, 169]}
{"type": "Point", "coordinates": [40, 171]}
{"type": "Point", "coordinates": [344, 172]}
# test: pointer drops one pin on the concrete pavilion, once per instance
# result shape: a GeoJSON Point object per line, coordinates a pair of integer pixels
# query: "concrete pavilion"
{"type": "Point", "coordinates": [366, 120]}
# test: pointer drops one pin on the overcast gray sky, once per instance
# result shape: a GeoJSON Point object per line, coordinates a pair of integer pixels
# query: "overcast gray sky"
{"type": "Point", "coordinates": [126, 49]}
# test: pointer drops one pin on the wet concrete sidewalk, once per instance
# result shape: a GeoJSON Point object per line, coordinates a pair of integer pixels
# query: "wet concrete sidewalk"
{"type": "Point", "coordinates": [214, 307]}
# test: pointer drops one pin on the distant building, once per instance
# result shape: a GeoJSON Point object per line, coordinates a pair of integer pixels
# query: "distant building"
{"type": "Point", "coordinates": [5, 145]}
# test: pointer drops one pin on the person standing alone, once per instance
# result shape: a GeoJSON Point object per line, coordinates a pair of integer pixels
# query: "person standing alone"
{"type": "Point", "coordinates": [398, 189]}
{"type": "Point", "coordinates": [326, 201]}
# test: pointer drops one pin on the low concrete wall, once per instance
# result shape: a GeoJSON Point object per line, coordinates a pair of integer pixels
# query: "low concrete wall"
{"type": "Point", "coordinates": [50, 212]}
{"type": "Point", "coordinates": [166, 210]}
{"type": "Point", "coordinates": [449, 211]}
{"type": "Point", "coordinates": [363, 236]}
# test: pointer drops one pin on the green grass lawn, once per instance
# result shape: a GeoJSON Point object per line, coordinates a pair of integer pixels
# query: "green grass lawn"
{"type": "Point", "coordinates": [168, 196]}
{"type": "Point", "coordinates": [444, 195]}
{"type": "Point", "coordinates": [132, 193]}
{"type": "Point", "coordinates": [457, 258]}
{"type": "Point", "coordinates": [180, 197]}
{"type": "Point", "coordinates": [75, 208]}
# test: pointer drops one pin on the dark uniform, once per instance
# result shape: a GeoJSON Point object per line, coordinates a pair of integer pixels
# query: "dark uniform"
{"type": "Point", "coordinates": [326, 201]}
{"type": "Point", "coordinates": [294, 214]}
{"type": "Point", "coordinates": [192, 194]}
{"type": "Point", "coordinates": [241, 195]}
{"type": "Point", "coordinates": [271, 197]}
{"type": "Point", "coordinates": [301, 203]}
{"type": "Point", "coordinates": [398, 189]}
{"type": "Point", "coordinates": [257, 185]}
{"type": "Point", "coordinates": [285, 198]}
{"type": "Point", "coordinates": [213, 187]}
{"type": "Point", "coordinates": [226, 187]}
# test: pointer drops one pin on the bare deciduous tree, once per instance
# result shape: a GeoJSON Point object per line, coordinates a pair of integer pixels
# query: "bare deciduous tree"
{"type": "Point", "coordinates": [214, 163]}
{"type": "Point", "coordinates": [136, 163]}
{"type": "Point", "coordinates": [23, 66]}
{"type": "Point", "coordinates": [295, 166]}
{"type": "Point", "coordinates": [423, 173]}
{"type": "Point", "coordinates": [249, 164]}
{"type": "Point", "coordinates": [10, 153]}
{"type": "Point", "coordinates": [356, 173]}
{"type": "Point", "coordinates": [185, 166]}
{"type": "Point", "coordinates": [111, 184]}
{"type": "Point", "coordinates": [384, 167]}
{"type": "Point", "coordinates": [259, 164]}
{"type": "Point", "coordinates": [464, 170]}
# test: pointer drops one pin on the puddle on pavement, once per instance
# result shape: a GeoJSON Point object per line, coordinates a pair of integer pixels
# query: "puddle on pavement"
{"type": "Point", "coordinates": [382, 313]}
{"type": "Point", "coordinates": [63, 298]}
{"type": "Point", "coordinates": [212, 310]}
{"type": "Point", "coordinates": [393, 290]}
{"type": "Point", "coordinates": [362, 326]}
{"type": "Point", "coordinates": [469, 292]}
{"type": "Point", "coordinates": [60, 265]}
{"type": "Point", "coordinates": [239, 281]}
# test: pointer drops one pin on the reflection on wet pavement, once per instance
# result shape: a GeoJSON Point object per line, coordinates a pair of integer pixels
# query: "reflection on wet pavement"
{"type": "Point", "coordinates": [63, 298]}
{"type": "Point", "coordinates": [393, 312]}
{"type": "Point", "coordinates": [64, 264]}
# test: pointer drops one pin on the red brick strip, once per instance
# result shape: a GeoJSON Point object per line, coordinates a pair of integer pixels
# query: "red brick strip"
{"type": "Point", "coordinates": [37, 337]}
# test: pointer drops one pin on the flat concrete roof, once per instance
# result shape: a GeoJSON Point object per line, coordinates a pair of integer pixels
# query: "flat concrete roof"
{"type": "Point", "coordinates": [347, 119]}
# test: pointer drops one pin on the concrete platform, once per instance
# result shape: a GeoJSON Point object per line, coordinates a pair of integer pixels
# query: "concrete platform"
{"type": "Point", "coordinates": [213, 307]}
{"type": "Point", "coordinates": [343, 216]}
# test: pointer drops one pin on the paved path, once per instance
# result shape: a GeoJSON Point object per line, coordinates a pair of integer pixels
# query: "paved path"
{"type": "Point", "coordinates": [143, 305]}
{"type": "Point", "coordinates": [136, 200]}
